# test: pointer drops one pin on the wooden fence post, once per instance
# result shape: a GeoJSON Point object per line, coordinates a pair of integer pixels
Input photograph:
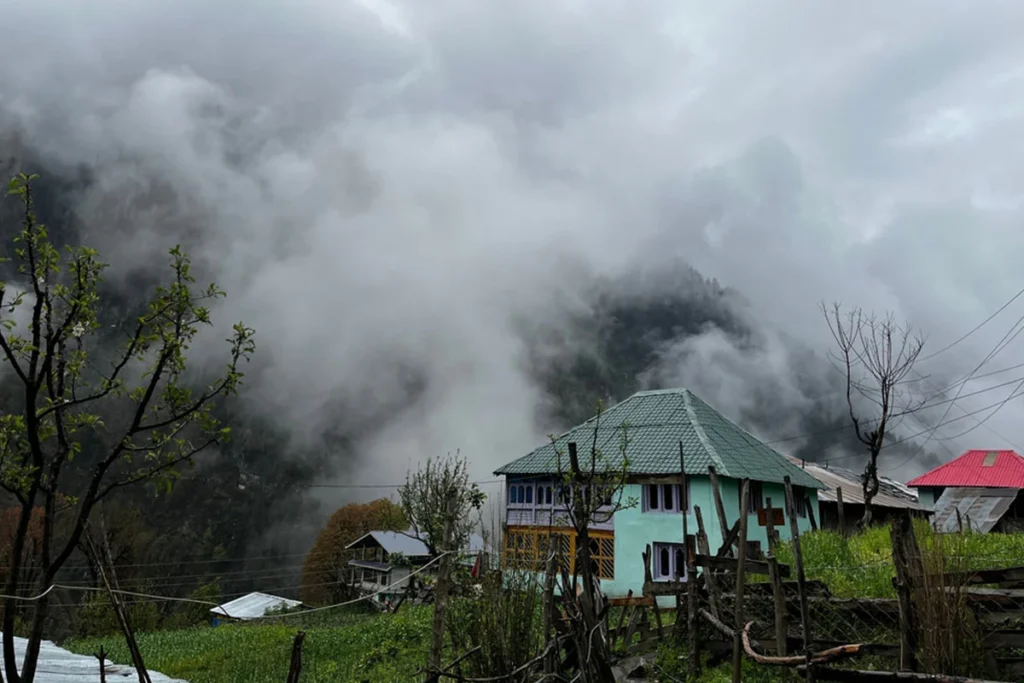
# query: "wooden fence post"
{"type": "Point", "coordinates": [102, 656]}
{"type": "Point", "coordinates": [295, 667]}
{"type": "Point", "coordinates": [907, 558]}
{"type": "Point", "coordinates": [842, 514]}
{"type": "Point", "coordinates": [737, 644]}
{"type": "Point", "coordinates": [778, 592]}
{"type": "Point", "coordinates": [801, 578]}
{"type": "Point", "coordinates": [693, 649]}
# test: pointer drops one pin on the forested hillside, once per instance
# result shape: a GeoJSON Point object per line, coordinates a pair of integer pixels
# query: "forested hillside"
{"type": "Point", "coordinates": [222, 528]}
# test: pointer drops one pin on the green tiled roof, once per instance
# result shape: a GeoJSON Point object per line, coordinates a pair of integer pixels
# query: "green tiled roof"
{"type": "Point", "coordinates": [655, 422]}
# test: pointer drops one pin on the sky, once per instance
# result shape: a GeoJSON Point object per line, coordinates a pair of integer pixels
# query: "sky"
{"type": "Point", "coordinates": [382, 185]}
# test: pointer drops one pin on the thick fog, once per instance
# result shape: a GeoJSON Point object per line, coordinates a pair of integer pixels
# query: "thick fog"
{"type": "Point", "coordinates": [383, 187]}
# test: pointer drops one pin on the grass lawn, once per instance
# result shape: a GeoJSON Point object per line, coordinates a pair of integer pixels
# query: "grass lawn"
{"type": "Point", "coordinates": [374, 648]}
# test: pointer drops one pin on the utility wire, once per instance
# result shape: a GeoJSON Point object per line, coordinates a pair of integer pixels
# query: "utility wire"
{"type": "Point", "coordinates": [975, 328]}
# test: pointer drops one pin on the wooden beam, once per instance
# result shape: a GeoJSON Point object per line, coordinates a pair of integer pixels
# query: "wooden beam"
{"type": "Point", "coordinates": [759, 567]}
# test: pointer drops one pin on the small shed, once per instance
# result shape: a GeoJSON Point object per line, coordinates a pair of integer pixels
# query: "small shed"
{"type": "Point", "coordinates": [986, 488]}
{"type": "Point", "coordinates": [893, 498]}
{"type": "Point", "coordinates": [254, 606]}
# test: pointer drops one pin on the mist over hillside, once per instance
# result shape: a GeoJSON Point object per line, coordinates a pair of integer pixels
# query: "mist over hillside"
{"type": "Point", "coordinates": [456, 226]}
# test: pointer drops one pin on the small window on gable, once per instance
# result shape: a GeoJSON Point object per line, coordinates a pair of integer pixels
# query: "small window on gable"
{"type": "Point", "coordinates": [990, 459]}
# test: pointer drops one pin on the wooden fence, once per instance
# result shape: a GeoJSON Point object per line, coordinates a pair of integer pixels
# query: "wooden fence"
{"type": "Point", "coordinates": [939, 625]}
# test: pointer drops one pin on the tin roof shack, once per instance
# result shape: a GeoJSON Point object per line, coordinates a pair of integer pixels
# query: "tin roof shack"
{"type": "Point", "coordinates": [388, 558]}
{"type": "Point", "coordinates": [893, 498]}
{"type": "Point", "coordinates": [254, 606]}
{"type": "Point", "coordinates": [980, 490]}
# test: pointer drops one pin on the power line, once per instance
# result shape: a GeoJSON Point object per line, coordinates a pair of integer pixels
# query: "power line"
{"type": "Point", "coordinates": [975, 328]}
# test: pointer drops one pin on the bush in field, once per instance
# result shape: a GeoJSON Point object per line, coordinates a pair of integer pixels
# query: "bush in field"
{"type": "Point", "coordinates": [502, 616]}
{"type": "Point", "coordinates": [96, 616]}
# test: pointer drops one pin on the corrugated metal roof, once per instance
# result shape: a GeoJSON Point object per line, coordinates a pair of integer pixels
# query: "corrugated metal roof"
{"type": "Point", "coordinates": [980, 508]}
{"type": "Point", "coordinates": [254, 605]}
{"type": "Point", "coordinates": [853, 492]}
{"type": "Point", "coordinates": [404, 543]}
{"type": "Point", "coordinates": [392, 542]}
{"type": "Point", "coordinates": [888, 486]}
{"type": "Point", "coordinates": [656, 422]}
{"type": "Point", "coordinates": [1005, 471]}
{"type": "Point", "coordinates": [57, 665]}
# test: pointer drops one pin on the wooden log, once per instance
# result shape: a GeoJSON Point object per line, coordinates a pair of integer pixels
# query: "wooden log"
{"type": "Point", "coordinates": [778, 592]}
{"type": "Point", "coordinates": [719, 505]}
{"type": "Point", "coordinates": [801, 579]}
{"type": "Point", "coordinates": [759, 567]}
{"type": "Point", "coordinates": [730, 540]}
{"type": "Point", "coordinates": [907, 560]}
{"type": "Point", "coordinates": [854, 676]}
{"type": "Point", "coordinates": [295, 665]}
{"type": "Point", "coordinates": [622, 618]}
{"type": "Point", "coordinates": [705, 549]}
{"type": "Point", "coordinates": [811, 516]}
{"type": "Point", "coordinates": [737, 654]}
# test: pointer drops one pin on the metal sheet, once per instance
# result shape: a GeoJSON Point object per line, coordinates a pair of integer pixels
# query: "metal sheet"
{"type": "Point", "coordinates": [981, 508]}
{"type": "Point", "coordinates": [253, 606]}
{"type": "Point", "coordinates": [853, 492]}
{"type": "Point", "coordinates": [57, 665]}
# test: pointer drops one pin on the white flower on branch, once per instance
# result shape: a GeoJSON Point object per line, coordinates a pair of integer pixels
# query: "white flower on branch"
{"type": "Point", "coordinates": [78, 330]}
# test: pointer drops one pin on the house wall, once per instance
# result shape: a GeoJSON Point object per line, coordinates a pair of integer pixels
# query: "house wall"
{"type": "Point", "coordinates": [634, 528]}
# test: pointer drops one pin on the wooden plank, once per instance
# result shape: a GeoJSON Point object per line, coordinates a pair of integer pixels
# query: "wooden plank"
{"type": "Point", "coordinates": [759, 567]}
{"type": "Point", "coordinates": [645, 601]}
{"type": "Point", "coordinates": [979, 577]}
{"type": "Point", "coordinates": [1008, 639]}
{"type": "Point", "coordinates": [705, 549]}
{"type": "Point", "coordinates": [778, 517]}
{"type": "Point", "coordinates": [719, 505]}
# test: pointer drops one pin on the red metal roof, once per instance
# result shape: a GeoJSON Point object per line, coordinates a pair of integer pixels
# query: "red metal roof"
{"type": "Point", "coordinates": [998, 469]}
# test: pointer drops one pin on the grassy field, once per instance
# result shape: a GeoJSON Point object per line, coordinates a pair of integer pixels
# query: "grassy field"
{"type": "Point", "coordinates": [377, 648]}
{"type": "Point", "coordinates": [366, 647]}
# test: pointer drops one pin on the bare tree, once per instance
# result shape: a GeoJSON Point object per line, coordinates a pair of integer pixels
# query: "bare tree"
{"type": "Point", "coordinates": [591, 493]}
{"type": "Point", "coordinates": [135, 419]}
{"type": "Point", "coordinates": [875, 355]}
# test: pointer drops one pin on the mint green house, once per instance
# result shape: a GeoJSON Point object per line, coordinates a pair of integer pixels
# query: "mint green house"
{"type": "Point", "coordinates": [654, 424]}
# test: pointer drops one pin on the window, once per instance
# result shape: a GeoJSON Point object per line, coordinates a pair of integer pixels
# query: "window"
{"type": "Point", "coordinates": [756, 499]}
{"type": "Point", "coordinates": [669, 558]}
{"type": "Point", "coordinates": [527, 548]}
{"type": "Point", "coordinates": [512, 497]}
{"type": "Point", "coordinates": [529, 495]}
{"type": "Point", "coordinates": [664, 498]}
{"type": "Point", "coordinates": [800, 502]}
{"type": "Point", "coordinates": [547, 495]}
